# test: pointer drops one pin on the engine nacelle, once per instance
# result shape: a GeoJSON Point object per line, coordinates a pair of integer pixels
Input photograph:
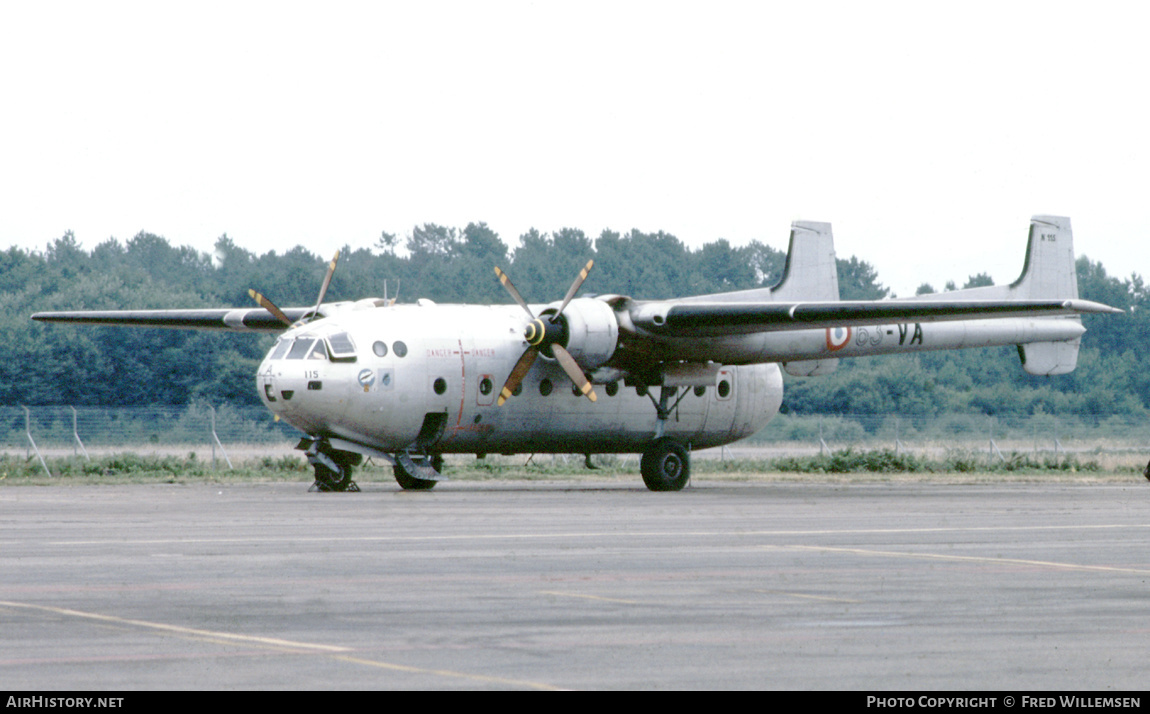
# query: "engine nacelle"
{"type": "Point", "coordinates": [592, 331]}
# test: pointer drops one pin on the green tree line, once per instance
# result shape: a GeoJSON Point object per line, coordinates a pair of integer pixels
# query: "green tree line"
{"type": "Point", "coordinates": [109, 366]}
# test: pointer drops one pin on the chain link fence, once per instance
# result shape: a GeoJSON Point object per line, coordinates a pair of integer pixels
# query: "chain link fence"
{"type": "Point", "coordinates": [62, 430]}
{"type": "Point", "coordinates": [216, 433]}
{"type": "Point", "coordinates": [1122, 437]}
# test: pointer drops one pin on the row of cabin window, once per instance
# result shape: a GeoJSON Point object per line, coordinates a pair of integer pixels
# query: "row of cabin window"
{"type": "Point", "coordinates": [545, 388]}
{"type": "Point", "coordinates": [341, 344]}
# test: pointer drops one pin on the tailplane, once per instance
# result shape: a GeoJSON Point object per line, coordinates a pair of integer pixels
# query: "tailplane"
{"type": "Point", "coordinates": [1048, 273]}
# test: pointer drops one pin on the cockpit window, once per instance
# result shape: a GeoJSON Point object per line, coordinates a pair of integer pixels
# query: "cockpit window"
{"type": "Point", "coordinates": [341, 346]}
{"type": "Point", "coordinates": [320, 352]}
{"type": "Point", "coordinates": [300, 347]}
{"type": "Point", "coordinates": [280, 349]}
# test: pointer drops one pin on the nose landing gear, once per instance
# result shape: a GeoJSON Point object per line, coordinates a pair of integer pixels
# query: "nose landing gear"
{"type": "Point", "coordinates": [333, 468]}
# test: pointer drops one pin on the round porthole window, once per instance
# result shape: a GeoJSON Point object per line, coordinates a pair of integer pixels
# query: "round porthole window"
{"type": "Point", "coordinates": [485, 386]}
{"type": "Point", "coordinates": [440, 385]}
{"type": "Point", "coordinates": [545, 387]}
{"type": "Point", "coordinates": [612, 388]}
{"type": "Point", "coordinates": [724, 389]}
{"type": "Point", "coordinates": [399, 348]}
{"type": "Point", "coordinates": [380, 349]}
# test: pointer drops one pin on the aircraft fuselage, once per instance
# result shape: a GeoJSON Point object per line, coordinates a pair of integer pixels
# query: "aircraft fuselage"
{"type": "Point", "coordinates": [415, 368]}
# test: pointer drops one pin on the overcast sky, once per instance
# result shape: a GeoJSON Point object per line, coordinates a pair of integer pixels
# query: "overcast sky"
{"type": "Point", "coordinates": [926, 133]}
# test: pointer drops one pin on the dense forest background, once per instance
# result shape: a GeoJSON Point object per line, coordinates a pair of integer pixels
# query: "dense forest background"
{"type": "Point", "coordinates": [108, 366]}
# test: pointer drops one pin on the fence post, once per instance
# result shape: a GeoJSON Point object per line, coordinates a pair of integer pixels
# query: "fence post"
{"type": "Point", "coordinates": [28, 432]}
{"type": "Point", "coordinates": [216, 442]}
{"type": "Point", "coordinates": [1057, 444]}
{"type": "Point", "coordinates": [76, 436]}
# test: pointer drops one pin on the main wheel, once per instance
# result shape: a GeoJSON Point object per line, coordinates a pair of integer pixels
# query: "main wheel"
{"type": "Point", "coordinates": [666, 465]}
{"type": "Point", "coordinates": [410, 483]}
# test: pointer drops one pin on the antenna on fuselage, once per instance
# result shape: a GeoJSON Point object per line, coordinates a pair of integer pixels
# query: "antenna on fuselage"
{"type": "Point", "coordinates": [386, 301]}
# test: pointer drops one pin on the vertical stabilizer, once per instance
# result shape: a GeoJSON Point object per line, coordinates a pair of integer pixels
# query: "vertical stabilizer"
{"type": "Point", "coordinates": [1048, 272]}
{"type": "Point", "coordinates": [811, 272]}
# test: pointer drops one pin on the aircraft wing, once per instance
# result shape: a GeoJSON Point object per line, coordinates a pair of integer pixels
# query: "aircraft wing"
{"type": "Point", "coordinates": [236, 319]}
{"type": "Point", "coordinates": [693, 319]}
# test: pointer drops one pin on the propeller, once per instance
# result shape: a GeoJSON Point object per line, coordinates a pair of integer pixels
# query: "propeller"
{"type": "Point", "coordinates": [326, 282]}
{"type": "Point", "coordinates": [271, 307]}
{"type": "Point", "coordinates": [543, 334]}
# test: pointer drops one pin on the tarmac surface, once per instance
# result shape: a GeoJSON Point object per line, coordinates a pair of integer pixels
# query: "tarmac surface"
{"type": "Point", "coordinates": [576, 585]}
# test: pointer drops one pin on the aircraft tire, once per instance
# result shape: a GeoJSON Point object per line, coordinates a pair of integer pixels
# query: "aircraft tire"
{"type": "Point", "coordinates": [328, 480]}
{"type": "Point", "coordinates": [410, 483]}
{"type": "Point", "coordinates": [666, 465]}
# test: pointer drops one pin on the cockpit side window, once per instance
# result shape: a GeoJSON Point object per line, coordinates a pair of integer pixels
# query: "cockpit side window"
{"type": "Point", "coordinates": [280, 349]}
{"type": "Point", "coordinates": [341, 347]}
{"type": "Point", "coordinates": [300, 347]}
{"type": "Point", "coordinates": [320, 351]}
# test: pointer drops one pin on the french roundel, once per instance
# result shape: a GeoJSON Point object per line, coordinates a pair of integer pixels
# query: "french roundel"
{"type": "Point", "coordinates": [838, 338]}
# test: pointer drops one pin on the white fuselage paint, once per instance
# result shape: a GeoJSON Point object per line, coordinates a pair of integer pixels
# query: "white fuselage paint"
{"type": "Point", "coordinates": [458, 357]}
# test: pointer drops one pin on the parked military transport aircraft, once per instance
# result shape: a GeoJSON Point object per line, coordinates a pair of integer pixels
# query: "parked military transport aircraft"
{"type": "Point", "coordinates": [409, 383]}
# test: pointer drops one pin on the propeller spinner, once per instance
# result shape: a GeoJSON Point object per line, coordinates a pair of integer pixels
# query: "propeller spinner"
{"type": "Point", "coordinates": [545, 333]}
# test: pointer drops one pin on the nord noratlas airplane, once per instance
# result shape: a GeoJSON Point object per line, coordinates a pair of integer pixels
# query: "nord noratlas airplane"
{"type": "Point", "coordinates": [608, 373]}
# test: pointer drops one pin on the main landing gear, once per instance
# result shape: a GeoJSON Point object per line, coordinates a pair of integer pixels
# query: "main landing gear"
{"type": "Point", "coordinates": [408, 470]}
{"type": "Point", "coordinates": [666, 465]}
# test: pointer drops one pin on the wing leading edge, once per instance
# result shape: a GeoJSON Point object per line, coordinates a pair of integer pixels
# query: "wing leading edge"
{"type": "Point", "coordinates": [238, 319]}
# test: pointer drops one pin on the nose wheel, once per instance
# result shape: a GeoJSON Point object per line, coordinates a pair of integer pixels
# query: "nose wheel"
{"type": "Point", "coordinates": [334, 472]}
{"type": "Point", "coordinates": [332, 467]}
{"type": "Point", "coordinates": [666, 465]}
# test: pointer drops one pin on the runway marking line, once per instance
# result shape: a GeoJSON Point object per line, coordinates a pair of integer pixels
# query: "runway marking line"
{"type": "Point", "coordinates": [333, 651]}
{"type": "Point", "coordinates": [589, 597]}
{"type": "Point", "coordinates": [822, 598]}
{"type": "Point", "coordinates": [632, 534]}
{"type": "Point", "coordinates": [962, 558]}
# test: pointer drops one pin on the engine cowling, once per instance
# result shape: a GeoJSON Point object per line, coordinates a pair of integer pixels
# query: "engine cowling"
{"type": "Point", "coordinates": [592, 331]}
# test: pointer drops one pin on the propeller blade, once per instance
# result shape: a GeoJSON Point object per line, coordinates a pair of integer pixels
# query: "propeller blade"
{"type": "Point", "coordinates": [506, 281]}
{"type": "Point", "coordinates": [270, 307]}
{"type": "Point", "coordinates": [571, 367]}
{"type": "Point", "coordinates": [522, 367]}
{"type": "Point", "coordinates": [573, 289]}
{"type": "Point", "coordinates": [326, 282]}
